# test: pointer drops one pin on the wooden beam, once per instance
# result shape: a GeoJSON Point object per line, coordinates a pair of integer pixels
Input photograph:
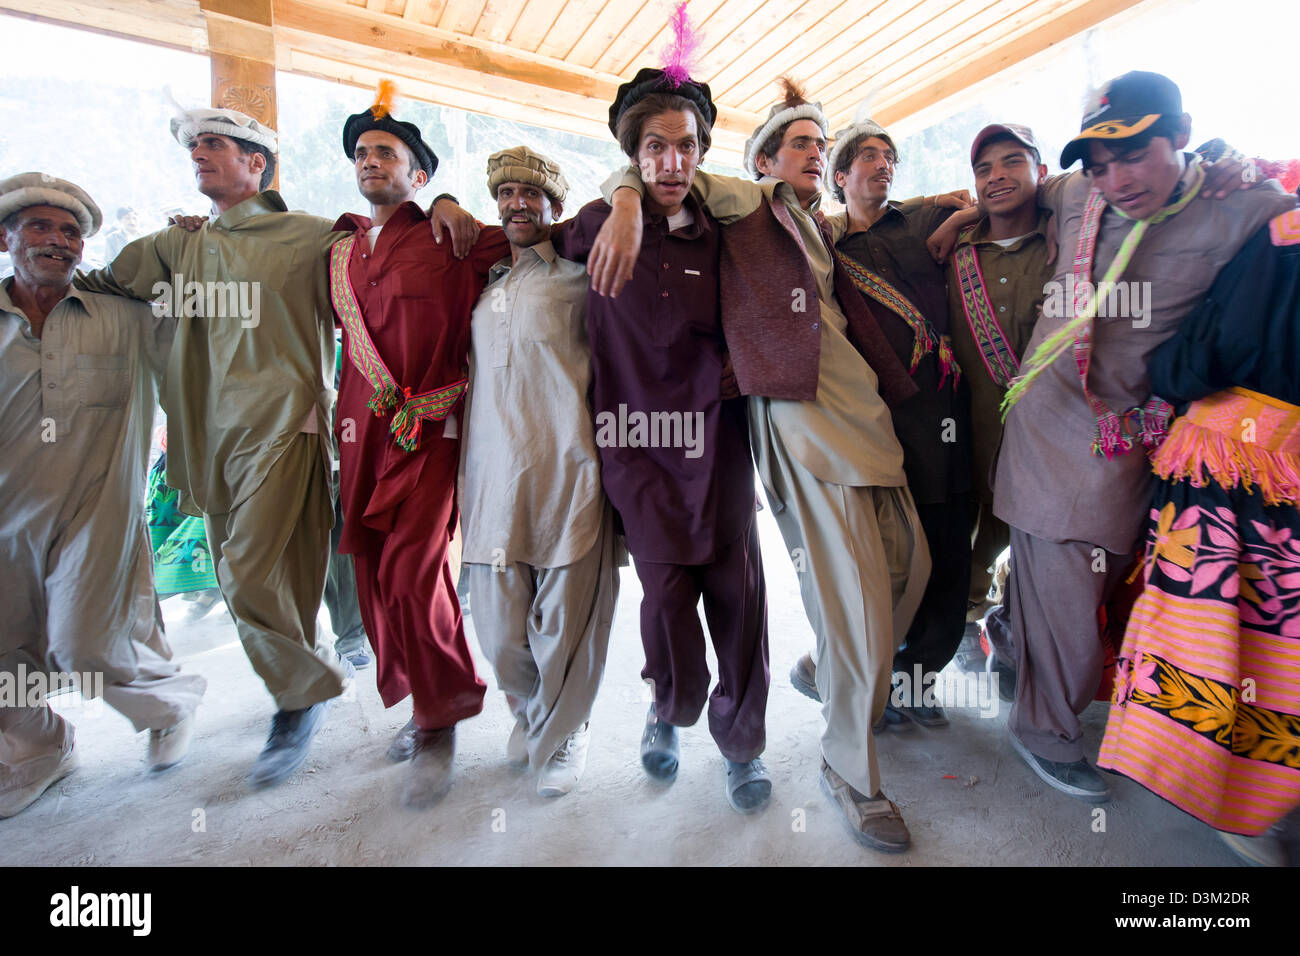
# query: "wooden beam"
{"type": "Point", "coordinates": [172, 23]}
{"type": "Point", "coordinates": [441, 50]}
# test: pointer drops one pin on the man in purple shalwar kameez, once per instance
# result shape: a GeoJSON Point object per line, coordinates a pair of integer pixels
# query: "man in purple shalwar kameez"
{"type": "Point", "coordinates": [674, 445]}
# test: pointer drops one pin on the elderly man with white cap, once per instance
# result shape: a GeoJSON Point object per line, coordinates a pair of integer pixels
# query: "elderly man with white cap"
{"type": "Point", "coordinates": [540, 546]}
{"type": "Point", "coordinates": [77, 394]}
{"type": "Point", "coordinates": [248, 395]}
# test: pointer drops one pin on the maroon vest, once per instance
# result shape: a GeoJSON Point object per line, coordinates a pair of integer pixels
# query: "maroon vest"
{"type": "Point", "coordinates": [771, 317]}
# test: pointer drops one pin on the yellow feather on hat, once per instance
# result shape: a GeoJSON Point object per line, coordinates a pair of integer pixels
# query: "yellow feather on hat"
{"type": "Point", "coordinates": [383, 105]}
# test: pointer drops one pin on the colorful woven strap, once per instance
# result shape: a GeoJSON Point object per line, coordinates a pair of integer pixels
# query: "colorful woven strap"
{"type": "Point", "coordinates": [434, 405]}
{"type": "Point", "coordinates": [1113, 434]}
{"type": "Point", "coordinates": [361, 350]}
{"type": "Point", "coordinates": [924, 337]}
{"type": "Point", "coordinates": [999, 358]}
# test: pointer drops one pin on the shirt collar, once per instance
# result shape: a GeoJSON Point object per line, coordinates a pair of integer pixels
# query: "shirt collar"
{"type": "Point", "coordinates": [784, 191]}
{"type": "Point", "coordinates": [699, 220]}
{"type": "Point", "coordinates": [544, 250]}
{"type": "Point", "coordinates": [267, 201]}
{"type": "Point", "coordinates": [407, 212]}
{"type": "Point", "coordinates": [980, 233]}
{"type": "Point", "coordinates": [7, 302]}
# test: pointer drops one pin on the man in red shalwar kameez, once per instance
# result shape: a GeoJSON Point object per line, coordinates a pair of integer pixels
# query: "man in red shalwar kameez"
{"type": "Point", "coordinates": [405, 308]}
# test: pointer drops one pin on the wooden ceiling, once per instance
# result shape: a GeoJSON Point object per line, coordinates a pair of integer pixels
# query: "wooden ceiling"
{"type": "Point", "coordinates": [557, 63]}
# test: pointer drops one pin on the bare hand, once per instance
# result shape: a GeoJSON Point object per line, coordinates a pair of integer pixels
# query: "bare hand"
{"type": "Point", "coordinates": [618, 244]}
{"type": "Point", "coordinates": [944, 239]}
{"type": "Point", "coordinates": [1228, 174]}
{"type": "Point", "coordinates": [188, 223]}
{"type": "Point", "coordinates": [460, 225]}
{"type": "Point", "coordinates": [957, 199]}
{"type": "Point", "coordinates": [730, 389]}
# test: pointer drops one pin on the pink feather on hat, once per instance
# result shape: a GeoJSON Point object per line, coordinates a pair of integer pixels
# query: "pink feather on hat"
{"type": "Point", "coordinates": [677, 57]}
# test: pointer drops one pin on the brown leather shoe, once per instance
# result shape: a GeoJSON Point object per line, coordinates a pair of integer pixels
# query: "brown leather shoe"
{"type": "Point", "coordinates": [430, 775]}
{"type": "Point", "coordinates": [403, 746]}
{"type": "Point", "coordinates": [874, 821]}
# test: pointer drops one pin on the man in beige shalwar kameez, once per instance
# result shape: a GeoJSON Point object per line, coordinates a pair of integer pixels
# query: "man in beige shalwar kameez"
{"type": "Point", "coordinates": [77, 399]}
{"type": "Point", "coordinates": [540, 550]}
{"type": "Point", "coordinates": [248, 396]}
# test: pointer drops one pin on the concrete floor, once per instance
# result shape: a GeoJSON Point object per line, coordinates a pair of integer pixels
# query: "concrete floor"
{"type": "Point", "coordinates": [967, 797]}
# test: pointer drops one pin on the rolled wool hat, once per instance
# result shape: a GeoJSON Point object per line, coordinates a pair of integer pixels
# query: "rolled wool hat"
{"type": "Point", "coordinates": [519, 164]}
{"type": "Point", "coordinates": [190, 123]}
{"type": "Point", "coordinates": [40, 189]}
{"type": "Point", "coordinates": [862, 128]}
{"type": "Point", "coordinates": [380, 116]}
{"type": "Point", "coordinates": [794, 106]}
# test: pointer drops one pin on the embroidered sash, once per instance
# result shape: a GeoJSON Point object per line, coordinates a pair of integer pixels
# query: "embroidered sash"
{"type": "Point", "coordinates": [411, 409]}
{"type": "Point", "coordinates": [1113, 434]}
{"type": "Point", "coordinates": [924, 337]}
{"type": "Point", "coordinates": [999, 358]}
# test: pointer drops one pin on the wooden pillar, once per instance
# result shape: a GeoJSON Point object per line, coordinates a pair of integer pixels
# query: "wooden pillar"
{"type": "Point", "coordinates": [241, 45]}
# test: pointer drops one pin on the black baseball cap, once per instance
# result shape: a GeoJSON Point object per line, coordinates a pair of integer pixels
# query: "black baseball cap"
{"type": "Point", "coordinates": [1126, 106]}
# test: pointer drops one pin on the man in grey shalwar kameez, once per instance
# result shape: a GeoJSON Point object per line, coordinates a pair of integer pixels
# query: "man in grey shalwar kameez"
{"type": "Point", "coordinates": [539, 535]}
{"type": "Point", "coordinates": [77, 397]}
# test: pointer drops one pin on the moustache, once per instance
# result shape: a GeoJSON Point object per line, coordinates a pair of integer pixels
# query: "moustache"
{"type": "Point", "coordinates": [54, 251]}
{"type": "Point", "coordinates": [535, 219]}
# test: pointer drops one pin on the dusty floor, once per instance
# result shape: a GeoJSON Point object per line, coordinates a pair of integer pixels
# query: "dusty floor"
{"type": "Point", "coordinates": [967, 797]}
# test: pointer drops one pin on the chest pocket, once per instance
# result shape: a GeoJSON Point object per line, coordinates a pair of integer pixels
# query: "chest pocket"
{"type": "Point", "coordinates": [103, 380]}
{"type": "Point", "coordinates": [550, 322]}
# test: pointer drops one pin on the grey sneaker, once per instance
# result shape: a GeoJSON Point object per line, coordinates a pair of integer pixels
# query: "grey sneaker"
{"type": "Point", "coordinates": [563, 770]}
{"type": "Point", "coordinates": [21, 787]}
{"type": "Point", "coordinates": [167, 747]}
{"type": "Point", "coordinates": [1078, 779]}
{"type": "Point", "coordinates": [803, 676]}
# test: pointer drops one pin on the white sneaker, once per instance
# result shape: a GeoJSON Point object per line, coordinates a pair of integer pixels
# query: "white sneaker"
{"type": "Point", "coordinates": [20, 787]}
{"type": "Point", "coordinates": [167, 747]}
{"type": "Point", "coordinates": [517, 745]}
{"type": "Point", "coordinates": [562, 772]}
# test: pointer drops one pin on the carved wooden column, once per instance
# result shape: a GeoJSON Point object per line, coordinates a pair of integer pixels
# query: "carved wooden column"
{"type": "Point", "coordinates": [241, 44]}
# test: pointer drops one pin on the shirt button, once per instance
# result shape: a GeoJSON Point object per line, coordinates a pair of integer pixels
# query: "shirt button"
{"type": "Point", "coordinates": [51, 385]}
{"type": "Point", "coordinates": [363, 255]}
{"type": "Point", "coordinates": [1002, 308]}
{"type": "Point", "coordinates": [49, 355]}
{"type": "Point", "coordinates": [814, 325]}
{"type": "Point", "coordinates": [1003, 280]}
{"type": "Point", "coordinates": [212, 252]}
{"type": "Point", "coordinates": [665, 265]}
{"type": "Point", "coordinates": [376, 283]}
{"type": "Point", "coordinates": [664, 294]}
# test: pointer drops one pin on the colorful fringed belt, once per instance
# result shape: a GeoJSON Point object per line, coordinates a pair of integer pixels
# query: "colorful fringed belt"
{"type": "Point", "coordinates": [433, 405]}
{"type": "Point", "coordinates": [1236, 438]}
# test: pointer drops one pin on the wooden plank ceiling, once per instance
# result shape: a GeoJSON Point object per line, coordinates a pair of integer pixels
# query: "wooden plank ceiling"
{"type": "Point", "coordinates": [557, 63]}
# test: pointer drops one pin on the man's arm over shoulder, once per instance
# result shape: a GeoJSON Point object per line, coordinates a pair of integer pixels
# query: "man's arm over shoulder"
{"type": "Point", "coordinates": [726, 198]}
{"type": "Point", "coordinates": [490, 248]}
{"type": "Point", "coordinates": [574, 237]}
{"type": "Point", "coordinates": [139, 269]}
